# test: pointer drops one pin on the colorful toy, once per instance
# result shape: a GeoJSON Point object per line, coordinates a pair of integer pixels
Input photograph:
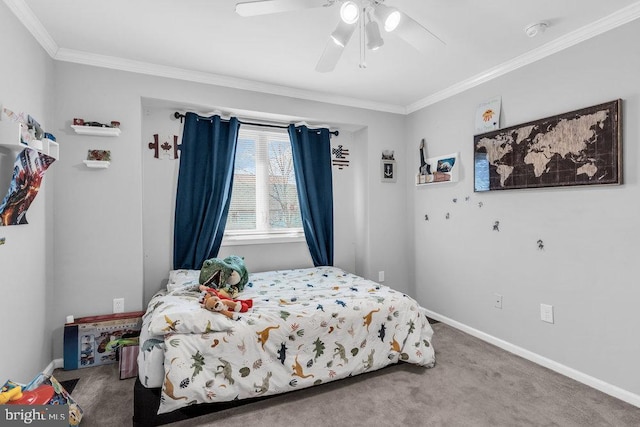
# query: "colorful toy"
{"type": "Point", "coordinates": [229, 274]}
{"type": "Point", "coordinates": [10, 394]}
{"type": "Point", "coordinates": [219, 301]}
{"type": "Point", "coordinates": [121, 342]}
{"type": "Point", "coordinates": [40, 395]}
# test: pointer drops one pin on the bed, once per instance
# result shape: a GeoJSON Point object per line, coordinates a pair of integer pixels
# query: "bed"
{"type": "Point", "coordinates": [306, 327]}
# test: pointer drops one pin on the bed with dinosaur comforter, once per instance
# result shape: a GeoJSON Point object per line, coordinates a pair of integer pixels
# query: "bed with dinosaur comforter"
{"type": "Point", "coordinates": [306, 327]}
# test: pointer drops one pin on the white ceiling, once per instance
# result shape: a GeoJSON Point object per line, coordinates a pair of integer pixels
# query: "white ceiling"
{"type": "Point", "coordinates": [206, 41]}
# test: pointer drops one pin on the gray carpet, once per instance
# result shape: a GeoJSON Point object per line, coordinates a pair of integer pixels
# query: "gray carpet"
{"type": "Point", "coordinates": [472, 384]}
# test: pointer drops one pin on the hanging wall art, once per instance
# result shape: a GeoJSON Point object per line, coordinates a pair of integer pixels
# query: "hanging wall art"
{"type": "Point", "coordinates": [165, 149]}
{"type": "Point", "coordinates": [388, 167]}
{"type": "Point", "coordinates": [28, 172]}
{"type": "Point", "coordinates": [582, 147]}
{"type": "Point", "coordinates": [340, 157]}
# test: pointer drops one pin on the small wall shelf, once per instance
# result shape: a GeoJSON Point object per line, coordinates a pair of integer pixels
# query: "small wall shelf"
{"type": "Point", "coordinates": [444, 169]}
{"type": "Point", "coordinates": [96, 130]}
{"type": "Point", "coordinates": [10, 137]}
{"type": "Point", "coordinates": [97, 164]}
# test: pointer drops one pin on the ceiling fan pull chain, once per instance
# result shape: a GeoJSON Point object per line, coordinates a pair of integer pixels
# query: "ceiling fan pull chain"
{"type": "Point", "coordinates": [363, 62]}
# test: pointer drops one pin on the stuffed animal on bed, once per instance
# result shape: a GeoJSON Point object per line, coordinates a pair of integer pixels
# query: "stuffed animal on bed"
{"type": "Point", "coordinates": [218, 301]}
{"type": "Point", "coordinates": [229, 274]}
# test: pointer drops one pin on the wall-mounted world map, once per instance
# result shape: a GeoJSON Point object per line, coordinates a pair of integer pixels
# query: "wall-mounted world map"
{"type": "Point", "coordinates": [577, 148]}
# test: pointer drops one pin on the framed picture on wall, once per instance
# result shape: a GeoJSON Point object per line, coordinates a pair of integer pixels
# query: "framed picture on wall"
{"type": "Point", "coordinates": [581, 147]}
{"type": "Point", "coordinates": [388, 167]}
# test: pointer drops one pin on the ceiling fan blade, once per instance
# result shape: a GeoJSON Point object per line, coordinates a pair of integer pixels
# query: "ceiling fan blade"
{"type": "Point", "coordinates": [330, 56]}
{"type": "Point", "coordinates": [412, 32]}
{"type": "Point", "coordinates": [264, 7]}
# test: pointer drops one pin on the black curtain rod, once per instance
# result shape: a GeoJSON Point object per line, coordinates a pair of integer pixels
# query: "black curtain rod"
{"type": "Point", "coordinates": [180, 116]}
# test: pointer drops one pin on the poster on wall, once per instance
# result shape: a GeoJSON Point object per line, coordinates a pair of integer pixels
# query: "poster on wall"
{"type": "Point", "coordinates": [488, 115]}
{"type": "Point", "coordinates": [581, 147]}
{"type": "Point", "coordinates": [28, 172]}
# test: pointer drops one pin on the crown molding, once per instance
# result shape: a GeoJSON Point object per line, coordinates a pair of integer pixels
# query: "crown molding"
{"type": "Point", "coordinates": [616, 19]}
{"type": "Point", "coordinates": [24, 13]}
{"type": "Point", "coordinates": [115, 63]}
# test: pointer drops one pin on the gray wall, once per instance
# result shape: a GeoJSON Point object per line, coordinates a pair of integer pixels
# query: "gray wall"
{"type": "Point", "coordinates": [588, 269]}
{"type": "Point", "coordinates": [101, 221]}
{"type": "Point", "coordinates": [26, 84]}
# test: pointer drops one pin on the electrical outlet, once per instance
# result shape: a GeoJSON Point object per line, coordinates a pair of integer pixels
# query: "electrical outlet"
{"type": "Point", "coordinates": [380, 276]}
{"type": "Point", "coordinates": [546, 313]}
{"type": "Point", "coordinates": [118, 305]}
{"type": "Point", "coordinates": [497, 300]}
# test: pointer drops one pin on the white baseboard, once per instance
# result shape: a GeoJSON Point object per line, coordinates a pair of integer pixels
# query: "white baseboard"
{"type": "Point", "coordinates": [53, 365]}
{"type": "Point", "coordinates": [593, 382]}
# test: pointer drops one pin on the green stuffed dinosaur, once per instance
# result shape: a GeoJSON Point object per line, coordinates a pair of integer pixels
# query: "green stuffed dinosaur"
{"type": "Point", "coordinates": [229, 274]}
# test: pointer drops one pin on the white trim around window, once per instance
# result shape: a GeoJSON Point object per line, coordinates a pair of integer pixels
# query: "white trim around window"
{"type": "Point", "coordinates": [244, 237]}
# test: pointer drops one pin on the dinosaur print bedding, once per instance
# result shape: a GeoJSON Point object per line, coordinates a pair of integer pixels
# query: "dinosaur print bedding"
{"type": "Point", "coordinates": [306, 327]}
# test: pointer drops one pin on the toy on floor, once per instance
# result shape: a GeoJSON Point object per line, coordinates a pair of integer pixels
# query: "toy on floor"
{"type": "Point", "coordinates": [219, 301]}
{"type": "Point", "coordinates": [121, 342]}
{"type": "Point", "coordinates": [10, 394]}
{"type": "Point", "coordinates": [41, 395]}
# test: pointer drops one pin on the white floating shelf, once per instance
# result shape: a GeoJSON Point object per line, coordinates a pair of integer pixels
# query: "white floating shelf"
{"type": "Point", "coordinates": [97, 164]}
{"type": "Point", "coordinates": [445, 166]}
{"type": "Point", "coordinates": [96, 130]}
{"type": "Point", "coordinates": [11, 138]}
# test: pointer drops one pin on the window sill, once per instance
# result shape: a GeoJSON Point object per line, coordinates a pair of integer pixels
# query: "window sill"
{"type": "Point", "coordinates": [262, 239]}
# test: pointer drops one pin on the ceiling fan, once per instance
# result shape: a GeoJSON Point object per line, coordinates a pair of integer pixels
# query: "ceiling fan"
{"type": "Point", "coordinates": [364, 15]}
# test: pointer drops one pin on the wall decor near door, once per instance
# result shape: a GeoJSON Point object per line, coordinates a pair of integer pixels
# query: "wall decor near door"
{"type": "Point", "coordinates": [340, 157]}
{"type": "Point", "coordinates": [582, 147]}
{"type": "Point", "coordinates": [28, 173]}
{"type": "Point", "coordinates": [388, 166]}
{"type": "Point", "coordinates": [166, 149]}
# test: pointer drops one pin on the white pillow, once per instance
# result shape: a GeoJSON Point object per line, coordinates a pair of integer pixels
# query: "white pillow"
{"type": "Point", "coordinates": [181, 278]}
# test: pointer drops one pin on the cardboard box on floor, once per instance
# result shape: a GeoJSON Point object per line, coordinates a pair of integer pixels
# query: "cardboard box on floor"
{"type": "Point", "coordinates": [93, 341]}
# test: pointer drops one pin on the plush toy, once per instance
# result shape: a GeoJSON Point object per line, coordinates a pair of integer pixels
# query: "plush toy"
{"type": "Point", "coordinates": [219, 301]}
{"type": "Point", "coordinates": [229, 274]}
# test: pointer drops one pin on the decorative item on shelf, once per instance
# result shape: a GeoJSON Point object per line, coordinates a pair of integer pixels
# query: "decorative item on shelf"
{"type": "Point", "coordinates": [169, 151]}
{"type": "Point", "coordinates": [425, 168]}
{"type": "Point", "coordinates": [21, 130]}
{"type": "Point", "coordinates": [83, 127]}
{"type": "Point", "coordinates": [446, 169]}
{"type": "Point", "coordinates": [388, 166]}
{"type": "Point", "coordinates": [339, 158]}
{"type": "Point", "coordinates": [98, 159]}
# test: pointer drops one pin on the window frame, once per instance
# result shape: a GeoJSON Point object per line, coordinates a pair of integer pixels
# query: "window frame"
{"type": "Point", "coordinates": [268, 236]}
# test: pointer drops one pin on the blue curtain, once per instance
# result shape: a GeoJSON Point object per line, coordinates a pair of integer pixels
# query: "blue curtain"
{"type": "Point", "coordinates": [311, 151]}
{"type": "Point", "coordinates": [205, 179]}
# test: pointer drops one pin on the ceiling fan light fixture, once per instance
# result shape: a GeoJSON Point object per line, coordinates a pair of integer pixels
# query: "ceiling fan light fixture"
{"type": "Point", "coordinates": [374, 40]}
{"type": "Point", "coordinates": [349, 12]}
{"type": "Point", "coordinates": [392, 21]}
{"type": "Point", "coordinates": [342, 34]}
{"type": "Point", "coordinates": [389, 16]}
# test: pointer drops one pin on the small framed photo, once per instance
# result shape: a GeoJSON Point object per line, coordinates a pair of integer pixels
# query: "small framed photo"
{"type": "Point", "coordinates": [388, 170]}
{"type": "Point", "coordinates": [388, 166]}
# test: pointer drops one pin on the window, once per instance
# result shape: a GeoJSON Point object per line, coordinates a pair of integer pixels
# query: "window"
{"type": "Point", "coordinates": [264, 198]}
